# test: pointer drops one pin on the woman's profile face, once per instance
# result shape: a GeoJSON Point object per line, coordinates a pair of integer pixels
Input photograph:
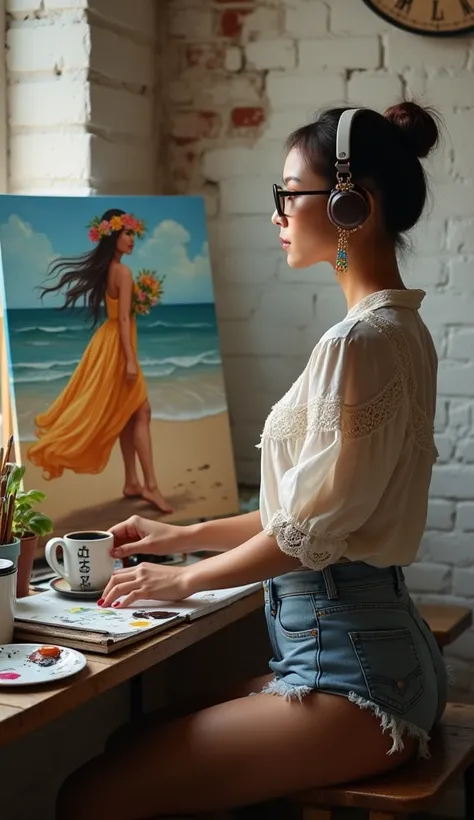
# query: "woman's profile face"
{"type": "Point", "coordinates": [125, 242]}
{"type": "Point", "coordinates": [307, 236]}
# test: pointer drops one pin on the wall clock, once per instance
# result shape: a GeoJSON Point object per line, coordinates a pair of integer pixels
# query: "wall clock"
{"type": "Point", "coordinates": [434, 18]}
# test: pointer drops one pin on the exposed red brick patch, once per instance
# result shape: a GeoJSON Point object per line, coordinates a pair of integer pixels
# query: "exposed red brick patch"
{"type": "Point", "coordinates": [205, 55]}
{"type": "Point", "coordinates": [231, 22]}
{"type": "Point", "coordinates": [184, 140]}
{"type": "Point", "coordinates": [188, 126]}
{"type": "Point", "coordinates": [247, 117]}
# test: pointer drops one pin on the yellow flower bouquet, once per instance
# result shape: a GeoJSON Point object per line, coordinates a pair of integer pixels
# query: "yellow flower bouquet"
{"type": "Point", "coordinates": [147, 291]}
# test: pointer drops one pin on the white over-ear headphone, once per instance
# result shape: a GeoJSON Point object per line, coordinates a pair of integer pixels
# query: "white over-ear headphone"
{"type": "Point", "coordinates": [348, 207]}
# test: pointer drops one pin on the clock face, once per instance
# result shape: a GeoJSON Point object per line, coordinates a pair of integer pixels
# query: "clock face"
{"type": "Point", "coordinates": [438, 18]}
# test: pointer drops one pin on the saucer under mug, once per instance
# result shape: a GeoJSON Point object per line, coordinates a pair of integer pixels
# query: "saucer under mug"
{"type": "Point", "coordinates": [63, 587]}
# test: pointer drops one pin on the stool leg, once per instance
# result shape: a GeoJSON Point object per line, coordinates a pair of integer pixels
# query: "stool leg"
{"type": "Point", "coordinates": [469, 791]}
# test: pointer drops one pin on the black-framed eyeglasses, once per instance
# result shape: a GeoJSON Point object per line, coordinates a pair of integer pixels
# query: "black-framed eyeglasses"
{"type": "Point", "coordinates": [279, 195]}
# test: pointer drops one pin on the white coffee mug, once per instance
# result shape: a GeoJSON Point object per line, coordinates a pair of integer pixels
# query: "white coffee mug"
{"type": "Point", "coordinates": [88, 563]}
{"type": "Point", "coordinates": [8, 573]}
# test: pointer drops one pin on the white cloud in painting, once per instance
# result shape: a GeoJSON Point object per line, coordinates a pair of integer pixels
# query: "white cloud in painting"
{"type": "Point", "coordinates": [188, 279]}
{"type": "Point", "coordinates": [26, 255]}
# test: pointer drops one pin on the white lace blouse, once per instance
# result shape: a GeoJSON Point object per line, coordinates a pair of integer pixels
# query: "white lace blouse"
{"type": "Point", "coordinates": [347, 453]}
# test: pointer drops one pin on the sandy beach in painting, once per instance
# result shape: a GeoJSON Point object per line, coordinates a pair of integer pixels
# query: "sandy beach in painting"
{"type": "Point", "coordinates": [194, 466]}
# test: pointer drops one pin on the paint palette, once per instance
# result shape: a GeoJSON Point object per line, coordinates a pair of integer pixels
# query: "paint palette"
{"type": "Point", "coordinates": [26, 664]}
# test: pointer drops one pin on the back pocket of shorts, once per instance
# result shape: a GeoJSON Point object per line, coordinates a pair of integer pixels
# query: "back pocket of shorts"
{"type": "Point", "coordinates": [391, 666]}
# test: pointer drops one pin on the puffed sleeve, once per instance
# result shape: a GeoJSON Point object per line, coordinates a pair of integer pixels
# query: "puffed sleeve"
{"type": "Point", "coordinates": [347, 430]}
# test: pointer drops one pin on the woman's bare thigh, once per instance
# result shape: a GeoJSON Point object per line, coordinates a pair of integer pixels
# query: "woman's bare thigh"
{"type": "Point", "coordinates": [130, 732]}
{"type": "Point", "coordinates": [239, 752]}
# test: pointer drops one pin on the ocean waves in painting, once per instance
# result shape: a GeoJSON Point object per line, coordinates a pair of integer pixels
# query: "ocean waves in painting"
{"type": "Point", "coordinates": [178, 350]}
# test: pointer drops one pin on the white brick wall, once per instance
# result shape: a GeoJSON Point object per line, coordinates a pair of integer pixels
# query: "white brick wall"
{"type": "Point", "coordinates": [81, 96]}
{"type": "Point", "coordinates": [238, 78]}
{"type": "Point", "coordinates": [308, 54]}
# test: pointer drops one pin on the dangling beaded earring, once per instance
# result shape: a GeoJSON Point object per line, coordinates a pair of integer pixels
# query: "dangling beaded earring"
{"type": "Point", "coordinates": [342, 248]}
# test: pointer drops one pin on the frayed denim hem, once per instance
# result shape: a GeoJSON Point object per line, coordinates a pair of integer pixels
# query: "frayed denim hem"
{"type": "Point", "coordinates": [389, 723]}
{"type": "Point", "coordinates": [288, 691]}
{"type": "Point", "coordinates": [396, 726]}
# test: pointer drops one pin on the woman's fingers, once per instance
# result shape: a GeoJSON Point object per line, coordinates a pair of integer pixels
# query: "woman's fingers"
{"type": "Point", "coordinates": [130, 599]}
{"type": "Point", "coordinates": [117, 591]}
{"type": "Point", "coordinates": [126, 549]}
{"type": "Point", "coordinates": [125, 574]}
{"type": "Point", "coordinates": [126, 530]}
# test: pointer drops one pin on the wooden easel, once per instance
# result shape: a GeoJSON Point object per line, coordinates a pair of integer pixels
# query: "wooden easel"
{"type": "Point", "coordinates": [6, 400]}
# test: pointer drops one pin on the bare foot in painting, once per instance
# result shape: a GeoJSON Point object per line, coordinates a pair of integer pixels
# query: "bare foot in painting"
{"type": "Point", "coordinates": [133, 490]}
{"type": "Point", "coordinates": [154, 497]}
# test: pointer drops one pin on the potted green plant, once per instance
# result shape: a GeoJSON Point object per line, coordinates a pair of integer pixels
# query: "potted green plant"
{"type": "Point", "coordinates": [28, 525]}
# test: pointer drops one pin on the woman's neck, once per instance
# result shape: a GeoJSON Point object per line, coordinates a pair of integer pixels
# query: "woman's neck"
{"type": "Point", "coordinates": [369, 271]}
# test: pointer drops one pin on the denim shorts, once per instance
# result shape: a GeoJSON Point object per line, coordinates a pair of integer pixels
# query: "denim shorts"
{"type": "Point", "coordinates": [353, 630]}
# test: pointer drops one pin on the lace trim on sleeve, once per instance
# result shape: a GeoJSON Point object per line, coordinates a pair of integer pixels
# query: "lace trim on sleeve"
{"type": "Point", "coordinates": [314, 551]}
{"type": "Point", "coordinates": [328, 414]}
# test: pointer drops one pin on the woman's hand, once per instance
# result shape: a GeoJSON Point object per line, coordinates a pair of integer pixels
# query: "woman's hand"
{"type": "Point", "coordinates": [139, 536]}
{"type": "Point", "coordinates": [131, 371]}
{"type": "Point", "coordinates": [146, 582]}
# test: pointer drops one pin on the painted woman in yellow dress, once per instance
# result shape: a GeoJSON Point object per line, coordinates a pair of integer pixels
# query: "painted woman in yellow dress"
{"type": "Point", "coordinates": [106, 396]}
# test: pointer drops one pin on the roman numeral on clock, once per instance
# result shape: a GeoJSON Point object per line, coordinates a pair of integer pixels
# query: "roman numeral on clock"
{"type": "Point", "coordinates": [437, 15]}
{"type": "Point", "coordinates": [466, 7]}
{"type": "Point", "coordinates": [404, 5]}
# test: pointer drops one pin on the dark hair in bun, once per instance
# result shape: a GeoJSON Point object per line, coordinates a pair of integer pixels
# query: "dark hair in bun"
{"type": "Point", "coordinates": [418, 125]}
{"type": "Point", "coordinates": [385, 151]}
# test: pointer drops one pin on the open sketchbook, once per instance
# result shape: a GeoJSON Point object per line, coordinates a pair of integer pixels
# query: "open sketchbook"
{"type": "Point", "coordinates": [84, 625]}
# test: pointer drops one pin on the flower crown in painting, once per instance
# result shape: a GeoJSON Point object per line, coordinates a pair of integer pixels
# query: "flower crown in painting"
{"type": "Point", "coordinates": [98, 228]}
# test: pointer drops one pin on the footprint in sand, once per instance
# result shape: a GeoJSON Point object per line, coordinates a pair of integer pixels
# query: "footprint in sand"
{"type": "Point", "coordinates": [204, 467]}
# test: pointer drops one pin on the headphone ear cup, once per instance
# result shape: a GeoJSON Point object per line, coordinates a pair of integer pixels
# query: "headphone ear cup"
{"type": "Point", "coordinates": [347, 209]}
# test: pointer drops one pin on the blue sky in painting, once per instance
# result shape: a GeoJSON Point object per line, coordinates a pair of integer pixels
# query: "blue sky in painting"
{"type": "Point", "coordinates": [35, 230]}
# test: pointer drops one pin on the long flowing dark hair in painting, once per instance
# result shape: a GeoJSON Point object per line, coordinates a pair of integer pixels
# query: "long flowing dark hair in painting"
{"type": "Point", "coordinates": [105, 399]}
{"type": "Point", "coordinates": [84, 278]}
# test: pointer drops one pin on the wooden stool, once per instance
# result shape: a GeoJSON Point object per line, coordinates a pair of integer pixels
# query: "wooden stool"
{"type": "Point", "coordinates": [414, 787]}
{"type": "Point", "coordinates": [446, 622]}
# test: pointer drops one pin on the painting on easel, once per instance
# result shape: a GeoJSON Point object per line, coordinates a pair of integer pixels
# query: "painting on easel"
{"type": "Point", "coordinates": [115, 374]}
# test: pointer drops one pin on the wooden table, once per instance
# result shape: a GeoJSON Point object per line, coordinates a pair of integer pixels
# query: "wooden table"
{"type": "Point", "coordinates": [25, 709]}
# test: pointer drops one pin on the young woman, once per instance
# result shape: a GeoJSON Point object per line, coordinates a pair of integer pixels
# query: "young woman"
{"type": "Point", "coordinates": [106, 397]}
{"type": "Point", "coordinates": [357, 680]}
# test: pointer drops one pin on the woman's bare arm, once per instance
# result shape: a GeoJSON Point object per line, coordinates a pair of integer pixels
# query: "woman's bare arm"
{"type": "Point", "coordinates": [224, 533]}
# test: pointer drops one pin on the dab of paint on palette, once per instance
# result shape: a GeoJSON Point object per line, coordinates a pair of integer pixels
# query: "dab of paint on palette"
{"type": "Point", "coordinates": [9, 675]}
{"type": "Point", "coordinates": [139, 623]}
{"type": "Point", "coordinates": [155, 614]}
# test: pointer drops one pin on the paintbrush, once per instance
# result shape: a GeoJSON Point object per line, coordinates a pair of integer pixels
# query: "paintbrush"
{"type": "Point", "coordinates": [7, 536]}
{"type": "Point", "coordinates": [7, 453]}
{"type": "Point", "coordinates": [3, 517]}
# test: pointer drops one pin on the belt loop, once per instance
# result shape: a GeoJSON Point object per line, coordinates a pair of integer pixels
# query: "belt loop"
{"type": "Point", "coordinates": [329, 583]}
{"type": "Point", "coordinates": [270, 592]}
{"type": "Point", "coordinates": [398, 581]}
